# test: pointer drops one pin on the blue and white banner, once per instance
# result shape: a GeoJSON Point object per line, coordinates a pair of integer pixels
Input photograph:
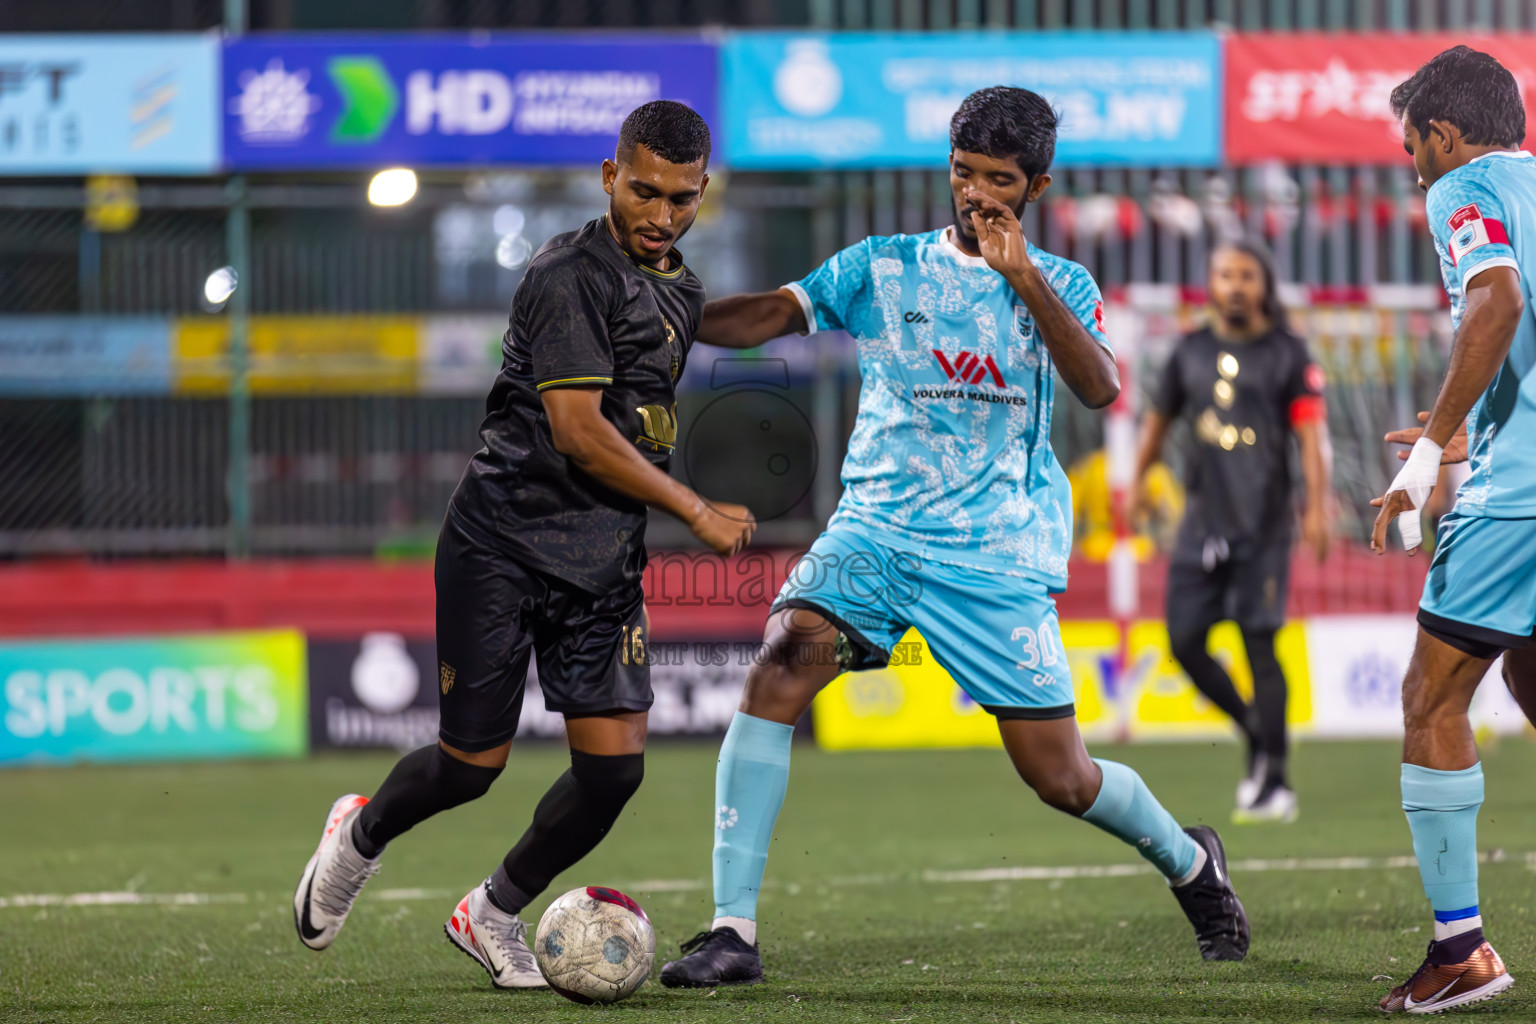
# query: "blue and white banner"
{"type": "Point", "coordinates": [84, 355]}
{"type": "Point", "coordinates": [81, 104]}
{"type": "Point", "coordinates": [794, 100]}
{"type": "Point", "coordinates": [299, 102]}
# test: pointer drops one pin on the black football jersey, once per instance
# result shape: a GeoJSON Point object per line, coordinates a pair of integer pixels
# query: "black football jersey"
{"type": "Point", "coordinates": [585, 315]}
{"type": "Point", "coordinates": [1237, 398]}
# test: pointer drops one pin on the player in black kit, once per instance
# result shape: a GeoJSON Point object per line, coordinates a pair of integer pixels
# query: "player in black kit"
{"type": "Point", "coordinates": [543, 546]}
{"type": "Point", "coordinates": [1243, 385]}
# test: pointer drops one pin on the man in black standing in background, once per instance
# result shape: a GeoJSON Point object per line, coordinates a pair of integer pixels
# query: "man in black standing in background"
{"type": "Point", "coordinates": [1243, 384]}
{"type": "Point", "coordinates": [543, 548]}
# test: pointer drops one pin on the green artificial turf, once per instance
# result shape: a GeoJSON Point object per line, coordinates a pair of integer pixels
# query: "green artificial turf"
{"type": "Point", "coordinates": [857, 922]}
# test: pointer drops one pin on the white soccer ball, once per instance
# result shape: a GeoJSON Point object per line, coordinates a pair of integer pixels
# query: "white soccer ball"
{"type": "Point", "coordinates": [595, 945]}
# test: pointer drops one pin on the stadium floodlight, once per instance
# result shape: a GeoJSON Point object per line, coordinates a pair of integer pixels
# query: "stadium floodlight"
{"type": "Point", "coordinates": [221, 284]}
{"type": "Point", "coordinates": [395, 186]}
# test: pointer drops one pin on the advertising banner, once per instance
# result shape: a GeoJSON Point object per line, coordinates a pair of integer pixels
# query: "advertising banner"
{"type": "Point", "coordinates": [1357, 667]}
{"type": "Point", "coordinates": [461, 355]}
{"type": "Point", "coordinates": [795, 100]}
{"type": "Point", "coordinates": [300, 102]}
{"type": "Point", "coordinates": [219, 695]}
{"type": "Point", "coordinates": [81, 104]}
{"type": "Point", "coordinates": [1324, 97]}
{"type": "Point", "coordinates": [917, 704]}
{"type": "Point", "coordinates": [84, 355]}
{"type": "Point", "coordinates": [382, 691]}
{"type": "Point", "coordinates": [301, 354]}
{"type": "Point", "coordinates": [1345, 674]}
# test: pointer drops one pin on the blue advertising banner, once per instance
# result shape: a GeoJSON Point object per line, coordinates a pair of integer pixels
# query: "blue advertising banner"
{"type": "Point", "coordinates": [84, 355]}
{"type": "Point", "coordinates": [80, 104]}
{"type": "Point", "coordinates": [301, 102]}
{"type": "Point", "coordinates": [794, 100]}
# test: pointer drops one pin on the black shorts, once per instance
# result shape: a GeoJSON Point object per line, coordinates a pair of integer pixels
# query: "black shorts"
{"type": "Point", "coordinates": [493, 613]}
{"type": "Point", "coordinates": [1250, 590]}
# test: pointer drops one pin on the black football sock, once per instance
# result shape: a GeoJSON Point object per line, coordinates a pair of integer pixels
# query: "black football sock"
{"type": "Point", "coordinates": [570, 820]}
{"type": "Point", "coordinates": [1213, 682]}
{"type": "Point", "coordinates": [1269, 697]}
{"type": "Point", "coordinates": [422, 783]}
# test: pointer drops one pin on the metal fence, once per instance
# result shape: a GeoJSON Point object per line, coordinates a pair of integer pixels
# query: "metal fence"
{"type": "Point", "coordinates": [353, 473]}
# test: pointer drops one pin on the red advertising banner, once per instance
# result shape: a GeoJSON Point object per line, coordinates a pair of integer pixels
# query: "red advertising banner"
{"type": "Point", "coordinates": [1323, 98]}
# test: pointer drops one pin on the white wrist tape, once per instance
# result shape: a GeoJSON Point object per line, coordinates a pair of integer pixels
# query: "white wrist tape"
{"type": "Point", "coordinates": [1417, 479]}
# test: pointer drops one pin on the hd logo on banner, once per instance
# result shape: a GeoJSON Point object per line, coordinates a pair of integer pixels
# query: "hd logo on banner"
{"type": "Point", "coordinates": [162, 698]}
{"type": "Point", "coordinates": [867, 100]}
{"type": "Point", "coordinates": [369, 101]}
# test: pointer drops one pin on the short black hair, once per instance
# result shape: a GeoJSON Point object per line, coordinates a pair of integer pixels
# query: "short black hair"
{"type": "Point", "coordinates": [673, 131]}
{"type": "Point", "coordinates": [1272, 307]}
{"type": "Point", "coordinates": [1003, 121]}
{"type": "Point", "coordinates": [1469, 89]}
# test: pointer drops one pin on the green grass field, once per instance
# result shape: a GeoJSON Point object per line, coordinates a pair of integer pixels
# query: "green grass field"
{"type": "Point", "coordinates": [860, 921]}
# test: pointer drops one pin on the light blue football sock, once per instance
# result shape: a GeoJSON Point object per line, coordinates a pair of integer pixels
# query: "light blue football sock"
{"type": "Point", "coordinates": [1442, 815]}
{"type": "Point", "coordinates": [1127, 810]}
{"type": "Point", "coordinates": [750, 780]}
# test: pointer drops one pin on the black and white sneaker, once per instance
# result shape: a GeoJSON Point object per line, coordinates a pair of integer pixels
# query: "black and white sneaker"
{"type": "Point", "coordinates": [1211, 904]}
{"type": "Point", "coordinates": [720, 957]}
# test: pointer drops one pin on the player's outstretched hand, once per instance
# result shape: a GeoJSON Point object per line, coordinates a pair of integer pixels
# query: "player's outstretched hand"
{"type": "Point", "coordinates": [998, 233]}
{"type": "Point", "coordinates": [1455, 449]}
{"type": "Point", "coordinates": [723, 526]}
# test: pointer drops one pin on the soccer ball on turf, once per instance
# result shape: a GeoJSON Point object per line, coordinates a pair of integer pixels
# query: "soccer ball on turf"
{"type": "Point", "coordinates": [595, 945]}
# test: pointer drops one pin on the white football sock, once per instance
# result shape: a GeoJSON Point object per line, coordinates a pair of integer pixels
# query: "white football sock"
{"type": "Point", "coordinates": [746, 928]}
{"type": "Point", "coordinates": [1449, 929]}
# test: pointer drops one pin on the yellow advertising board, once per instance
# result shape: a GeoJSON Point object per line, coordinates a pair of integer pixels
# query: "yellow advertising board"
{"type": "Point", "coordinates": [301, 354]}
{"type": "Point", "coordinates": [918, 704]}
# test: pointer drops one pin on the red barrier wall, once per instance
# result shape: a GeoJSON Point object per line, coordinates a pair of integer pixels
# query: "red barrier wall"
{"type": "Point", "coordinates": [691, 596]}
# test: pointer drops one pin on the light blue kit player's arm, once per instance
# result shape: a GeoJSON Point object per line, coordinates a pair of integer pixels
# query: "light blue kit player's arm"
{"type": "Point", "coordinates": [818, 303]}
{"type": "Point", "coordinates": [1468, 221]}
{"type": "Point", "coordinates": [1084, 362]}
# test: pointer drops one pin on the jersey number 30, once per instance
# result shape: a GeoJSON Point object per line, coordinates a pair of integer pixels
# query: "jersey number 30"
{"type": "Point", "coordinates": [1042, 646]}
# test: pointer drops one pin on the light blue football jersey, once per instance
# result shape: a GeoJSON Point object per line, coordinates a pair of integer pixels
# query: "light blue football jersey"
{"type": "Point", "coordinates": [951, 455]}
{"type": "Point", "coordinates": [1483, 215]}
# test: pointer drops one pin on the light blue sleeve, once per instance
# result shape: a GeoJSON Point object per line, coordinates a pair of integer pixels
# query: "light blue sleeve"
{"type": "Point", "coordinates": [834, 294]}
{"type": "Point", "coordinates": [1468, 221]}
{"type": "Point", "coordinates": [1080, 293]}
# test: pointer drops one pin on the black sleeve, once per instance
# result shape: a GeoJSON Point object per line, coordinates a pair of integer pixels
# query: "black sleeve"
{"type": "Point", "coordinates": [1305, 379]}
{"type": "Point", "coordinates": [565, 299]}
{"type": "Point", "coordinates": [1168, 400]}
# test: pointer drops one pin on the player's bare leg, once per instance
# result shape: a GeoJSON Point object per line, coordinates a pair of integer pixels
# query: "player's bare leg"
{"type": "Point", "coordinates": [607, 764]}
{"type": "Point", "coordinates": [797, 660]}
{"type": "Point", "coordinates": [1442, 792]}
{"type": "Point", "coordinates": [1050, 757]}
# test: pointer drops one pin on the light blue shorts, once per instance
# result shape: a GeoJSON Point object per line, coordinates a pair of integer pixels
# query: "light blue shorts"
{"type": "Point", "coordinates": [997, 635]}
{"type": "Point", "coordinates": [1480, 595]}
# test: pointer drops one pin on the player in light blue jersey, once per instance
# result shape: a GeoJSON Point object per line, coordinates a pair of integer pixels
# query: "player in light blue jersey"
{"type": "Point", "coordinates": [955, 519]}
{"type": "Point", "coordinates": [1462, 122]}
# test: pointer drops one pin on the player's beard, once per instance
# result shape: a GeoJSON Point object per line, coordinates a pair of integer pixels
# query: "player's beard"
{"type": "Point", "coordinates": [1237, 319]}
{"type": "Point", "coordinates": [622, 232]}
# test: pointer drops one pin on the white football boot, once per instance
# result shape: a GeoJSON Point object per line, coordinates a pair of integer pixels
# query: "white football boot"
{"type": "Point", "coordinates": [497, 940]}
{"type": "Point", "coordinates": [1248, 789]}
{"type": "Point", "coordinates": [333, 877]}
{"type": "Point", "coordinates": [1278, 805]}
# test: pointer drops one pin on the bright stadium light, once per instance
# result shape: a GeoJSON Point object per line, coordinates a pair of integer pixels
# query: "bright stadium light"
{"type": "Point", "coordinates": [392, 187]}
{"type": "Point", "coordinates": [221, 284]}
